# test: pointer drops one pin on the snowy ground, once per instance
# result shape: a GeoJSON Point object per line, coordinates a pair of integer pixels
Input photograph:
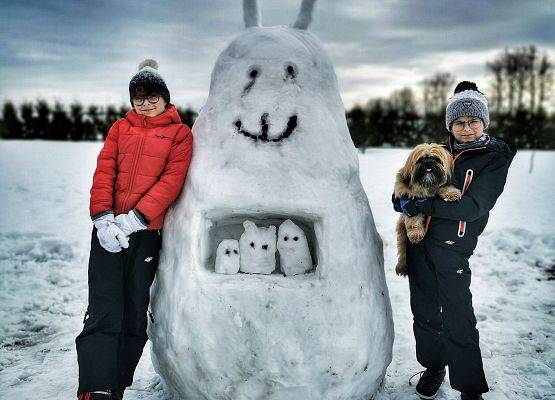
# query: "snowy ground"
{"type": "Point", "coordinates": [45, 239]}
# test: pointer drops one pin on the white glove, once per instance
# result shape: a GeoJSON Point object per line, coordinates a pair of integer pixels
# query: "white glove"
{"type": "Point", "coordinates": [109, 235]}
{"type": "Point", "coordinates": [129, 223]}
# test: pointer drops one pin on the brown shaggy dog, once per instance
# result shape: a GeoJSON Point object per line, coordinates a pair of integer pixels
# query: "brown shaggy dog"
{"type": "Point", "coordinates": [428, 171]}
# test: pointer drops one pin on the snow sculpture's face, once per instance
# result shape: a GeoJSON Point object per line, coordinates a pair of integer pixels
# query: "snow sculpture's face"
{"type": "Point", "coordinates": [291, 238]}
{"type": "Point", "coordinates": [294, 253]}
{"type": "Point", "coordinates": [257, 247]}
{"type": "Point", "coordinates": [274, 98]}
{"type": "Point", "coordinates": [227, 257]}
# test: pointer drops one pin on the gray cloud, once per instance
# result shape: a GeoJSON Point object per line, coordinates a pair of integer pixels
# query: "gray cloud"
{"type": "Point", "coordinates": [77, 51]}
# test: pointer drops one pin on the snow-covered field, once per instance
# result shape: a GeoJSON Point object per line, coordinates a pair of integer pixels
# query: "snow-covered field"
{"type": "Point", "coordinates": [45, 238]}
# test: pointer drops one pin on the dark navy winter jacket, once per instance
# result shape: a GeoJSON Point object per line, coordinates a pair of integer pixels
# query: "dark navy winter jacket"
{"type": "Point", "coordinates": [484, 169]}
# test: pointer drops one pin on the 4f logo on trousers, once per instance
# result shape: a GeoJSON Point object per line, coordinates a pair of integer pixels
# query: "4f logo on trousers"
{"type": "Point", "coordinates": [459, 271]}
{"type": "Point", "coordinates": [149, 259]}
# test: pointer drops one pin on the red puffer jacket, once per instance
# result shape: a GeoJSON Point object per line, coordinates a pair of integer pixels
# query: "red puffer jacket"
{"type": "Point", "coordinates": [142, 166]}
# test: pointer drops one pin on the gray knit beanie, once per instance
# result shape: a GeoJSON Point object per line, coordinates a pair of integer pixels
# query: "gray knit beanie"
{"type": "Point", "coordinates": [467, 100]}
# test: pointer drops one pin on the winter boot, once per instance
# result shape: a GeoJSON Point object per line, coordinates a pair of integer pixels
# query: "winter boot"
{"type": "Point", "coordinates": [429, 383]}
{"type": "Point", "coordinates": [469, 396]}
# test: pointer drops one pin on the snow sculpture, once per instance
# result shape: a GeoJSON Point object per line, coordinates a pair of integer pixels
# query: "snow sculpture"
{"type": "Point", "coordinates": [258, 249]}
{"type": "Point", "coordinates": [272, 144]}
{"type": "Point", "coordinates": [294, 254]}
{"type": "Point", "coordinates": [227, 257]}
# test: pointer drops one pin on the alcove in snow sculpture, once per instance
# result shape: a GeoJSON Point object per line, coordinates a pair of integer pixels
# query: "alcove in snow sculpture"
{"type": "Point", "coordinates": [271, 144]}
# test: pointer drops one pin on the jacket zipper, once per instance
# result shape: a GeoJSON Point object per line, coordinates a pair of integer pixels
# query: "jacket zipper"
{"type": "Point", "coordinates": [135, 159]}
{"type": "Point", "coordinates": [467, 180]}
{"type": "Point", "coordinates": [461, 230]}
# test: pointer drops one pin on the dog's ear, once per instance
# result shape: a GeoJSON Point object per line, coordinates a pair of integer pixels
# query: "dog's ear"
{"type": "Point", "coordinates": [404, 175]}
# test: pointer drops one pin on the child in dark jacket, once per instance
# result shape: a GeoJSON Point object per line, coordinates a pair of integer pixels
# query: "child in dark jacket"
{"type": "Point", "coordinates": [437, 267]}
{"type": "Point", "coordinates": [140, 172]}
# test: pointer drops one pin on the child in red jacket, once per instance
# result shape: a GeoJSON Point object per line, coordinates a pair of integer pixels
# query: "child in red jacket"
{"type": "Point", "coordinates": [140, 172]}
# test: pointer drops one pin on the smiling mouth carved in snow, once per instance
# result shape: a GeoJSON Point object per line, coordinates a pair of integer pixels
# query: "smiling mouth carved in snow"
{"type": "Point", "coordinates": [263, 135]}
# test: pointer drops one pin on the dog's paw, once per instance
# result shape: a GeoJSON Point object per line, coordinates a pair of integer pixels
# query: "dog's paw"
{"type": "Point", "coordinates": [416, 235]}
{"type": "Point", "coordinates": [401, 269]}
{"type": "Point", "coordinates": [401, 190]}
{"type": "Point", "coordinates": [452, 194]}
{"type": "Point", "coordinates": [401, 194]}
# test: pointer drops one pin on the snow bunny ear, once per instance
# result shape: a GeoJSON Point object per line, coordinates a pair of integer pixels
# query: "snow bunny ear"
{"type": "Point", "coordinates": [251, 13]}
{"type": "Point", "coordinates": [249, 225]}
{"type": "Point", "coordinates": [305, 15]}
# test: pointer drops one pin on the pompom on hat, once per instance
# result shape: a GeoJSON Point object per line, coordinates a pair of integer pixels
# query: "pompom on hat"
{"type": "Point", "coordinates": [466, 101]}
{"type": "Point", "coordinates": [147, 81]}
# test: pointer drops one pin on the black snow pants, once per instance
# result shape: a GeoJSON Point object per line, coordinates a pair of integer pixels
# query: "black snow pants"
{"type": "Point", "coordinates": [114, 332]}
{"type": "Point", "coordinates": [443, 318]}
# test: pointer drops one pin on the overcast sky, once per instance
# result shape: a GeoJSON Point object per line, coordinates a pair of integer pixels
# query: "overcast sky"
{"type": "Point", "coordinates": [88, 50]}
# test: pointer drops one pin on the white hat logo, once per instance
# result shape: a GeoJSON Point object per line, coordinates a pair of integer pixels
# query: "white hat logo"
{"type": "Point", "coordinates": [467, 104]}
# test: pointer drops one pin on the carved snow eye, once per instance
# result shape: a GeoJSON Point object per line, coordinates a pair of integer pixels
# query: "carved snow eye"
{"type": "Point", "coordinates": [265, 246]}
{"type": "Point", "coordinates": [252, 244]}
{"type": "Point", "coordinates": [290, 71]}
{"type": "Point", "coordinates": [285, 238]}
{"type": "Point", "coordinates": [253, 73]}
{"type": "Point", "coordinates": [296, 238]}
{"type": "Point", "coordinates": [235, 251]}
{"type": "Point", "coordinates": [227, 251]}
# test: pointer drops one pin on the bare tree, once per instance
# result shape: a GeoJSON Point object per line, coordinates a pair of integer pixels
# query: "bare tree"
{"type": "Point", "coordinates": [436, 92]}
{"type": "Point", "coordinates": [533, 71]}
{"type": "Point", "coordinates": [545, 77]}
{"type": "Point", "coordinates": [511, 70]}
{"type": "Point", "coordinates": [496, 68]}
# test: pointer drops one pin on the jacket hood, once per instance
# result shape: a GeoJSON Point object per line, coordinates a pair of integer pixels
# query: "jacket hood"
{"type": "Point", "coordinates": [505, 147]}
{"type": "Point", "coordinates": [502, 146]}
{"type": "Point", "coordinates": [169, 116]}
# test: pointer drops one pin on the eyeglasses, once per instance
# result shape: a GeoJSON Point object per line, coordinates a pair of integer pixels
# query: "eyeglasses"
{"type": "Point", "coordinates": [460, 125]}
{"type": "Point", "coordinates": [152, 99]}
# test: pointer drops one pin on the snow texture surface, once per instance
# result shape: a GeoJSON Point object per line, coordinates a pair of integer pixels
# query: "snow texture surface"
{"type": "Point", "coordinates": [45, 240]}
{"type": "Point", "coordinates": [270, 146]}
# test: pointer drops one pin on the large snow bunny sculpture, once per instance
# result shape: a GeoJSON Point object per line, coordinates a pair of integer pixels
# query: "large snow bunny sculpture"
{"type": "Point", "coordinates": [271, 144]}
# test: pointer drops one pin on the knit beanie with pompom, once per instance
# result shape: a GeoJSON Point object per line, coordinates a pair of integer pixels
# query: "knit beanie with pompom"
{"type": "Point", "coordinates": [467, 101]}
{"type": "Point", "coordinates": [147, 81]}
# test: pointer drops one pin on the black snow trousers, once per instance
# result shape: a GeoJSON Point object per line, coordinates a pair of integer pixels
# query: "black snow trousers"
{"type": "Point", "coordinates": [443, 318]}
{"type": "Point", "coordinates": [114, 332]}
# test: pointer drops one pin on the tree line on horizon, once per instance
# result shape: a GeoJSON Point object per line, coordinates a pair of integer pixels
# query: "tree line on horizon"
{"type": "Point", "coordinates": [519, 98]}
{"type": "Point", "coordinates": [39, 120]}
